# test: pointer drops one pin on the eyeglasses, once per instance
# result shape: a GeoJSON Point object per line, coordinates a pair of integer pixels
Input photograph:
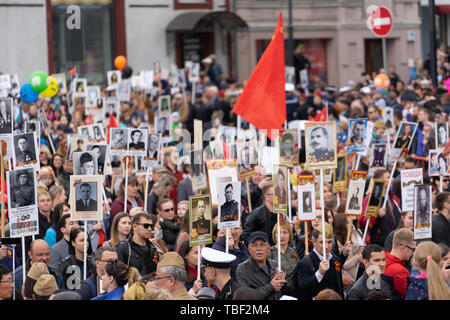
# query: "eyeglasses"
{"type": "Point", "coordinates": [413, 249]}
{"type": "Point", "coordinates": [108, 260]}
{"type": "Point", "coordinates": [168, 210]}
{"type": "Point", "coordinates": [146, 225]}
{"type": "Point", "coordinates": [7, 281]}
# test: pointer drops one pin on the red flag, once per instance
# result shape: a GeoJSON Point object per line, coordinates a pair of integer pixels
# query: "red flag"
{"type": "Point", "coordinates": [320, 116]}
{"type": "Point", "coordinates": [112, 124]}
{"type": "Point", "coordinates": [88, 121]}
{"type": "Point", "coordinates": [73, 71]}
{"type": "Point", "coordinates": [263, 100]}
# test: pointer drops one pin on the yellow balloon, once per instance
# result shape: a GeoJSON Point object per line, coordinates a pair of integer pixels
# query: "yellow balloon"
{"type": "Point", "coordinates": [52, 88]}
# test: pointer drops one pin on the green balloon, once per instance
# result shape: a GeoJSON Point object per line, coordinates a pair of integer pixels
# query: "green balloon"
{"type": "Point", "coordinates": [38, 81]}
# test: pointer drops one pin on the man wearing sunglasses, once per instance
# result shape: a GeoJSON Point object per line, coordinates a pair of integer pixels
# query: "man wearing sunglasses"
{"type": "Point", "coordinates": [137, 251]}
{"type": "Point", "coordinates": [397, 276]}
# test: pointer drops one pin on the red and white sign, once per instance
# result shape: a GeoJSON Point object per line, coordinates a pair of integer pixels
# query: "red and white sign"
{"type": "Point", "coordinates": [380, 21]}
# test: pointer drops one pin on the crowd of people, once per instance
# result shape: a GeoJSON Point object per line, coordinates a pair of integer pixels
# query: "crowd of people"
{"type": "Point", "coordinates": [142, 251]}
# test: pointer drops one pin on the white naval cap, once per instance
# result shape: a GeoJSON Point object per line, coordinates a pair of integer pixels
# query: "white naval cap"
{"type": "Point", "coordinates": [216, 258]}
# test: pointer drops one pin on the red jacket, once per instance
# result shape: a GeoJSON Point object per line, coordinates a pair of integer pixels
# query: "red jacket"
{"type": "Point", "coordinates": [174, 193]}
{"type": "Point", "coordinates": [119, 204]}
{"type": "Point", "coordinates": [396, 270]}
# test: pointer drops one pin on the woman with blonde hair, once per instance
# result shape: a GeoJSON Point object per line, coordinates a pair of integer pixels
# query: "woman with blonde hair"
{"type": "Point", "coordinates": [289, 257]}
{"type": "Point", "coordinates": [44, 155]}
{"type": "Point", "coordinates": [430, 284]}
{"type": "Point", "coordinates": [47, 177]}
{"type": "Point", "coordinates": [120, 229]}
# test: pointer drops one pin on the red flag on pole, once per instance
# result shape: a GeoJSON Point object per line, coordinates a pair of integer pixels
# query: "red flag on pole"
{"type": "Point", "coordinates": [89, 120]}
{"type": "Point", "coordinates": [320, 116]}
{"type": "Point", "coordinates": [112, 124]}
{"type": "Point", "coordinates": [263, 100]}
{"type": "Point", "coordinates": [73, 71]}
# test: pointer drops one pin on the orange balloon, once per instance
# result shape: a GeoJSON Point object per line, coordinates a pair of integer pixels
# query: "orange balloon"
{"type": "Point", "coordinates": [381, 80]}
{"type": "Point", "coordinates": [120, 62]}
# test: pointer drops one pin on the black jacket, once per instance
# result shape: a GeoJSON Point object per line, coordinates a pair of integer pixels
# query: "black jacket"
{"type": "Point", "coordinates": [307, 282]}
{"type": "Point", "coordinates": [440, 229]}
{"type": "Point", "coordinates": [249, 274]}
{"type": "Point", "coordinates": [360, 289]}
{"type": "Point", "coordinates": [241, 254]}
{"type": "Point", "coordinates": [170, 231]}
{"type": "Point", "coordinates": [260, 219]}
{"type": "Point", "coordinates": [131, 254]}
{"type": "Point", "coordinates": [68, 274]}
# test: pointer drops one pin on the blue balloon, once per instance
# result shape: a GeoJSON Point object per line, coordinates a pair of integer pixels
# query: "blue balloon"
{"type": "Point", "coordinates": [27, 94]}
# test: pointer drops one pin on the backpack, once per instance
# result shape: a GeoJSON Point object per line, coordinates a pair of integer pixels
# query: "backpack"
{"type": "Point", "coordinates": [292, 279]}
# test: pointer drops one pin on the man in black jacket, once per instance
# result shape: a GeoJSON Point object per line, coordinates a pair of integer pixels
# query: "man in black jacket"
{"type": "Point", "coordinates": [261, 218]}
{"type": "Point", "coordinates": [440, 225]}
{"type": "Point", "coordinates": [258, 272]}
{"type": "Point", "coordinates": [137, 251]}
{"type": "Point", "coordinates": [316, 273]}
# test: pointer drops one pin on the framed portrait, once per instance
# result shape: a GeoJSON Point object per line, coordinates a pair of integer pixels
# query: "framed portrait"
{"type": "Point", "coordinates": [6, 116]}
{"type": "Point", "coordinates": [378, 157]}
{"type": "Point", "coordinates": [403, 139]}
{"type": "Point", "coordinates": [194, 72]}
{"type": "Point", "coordinates": [441, 134]}
{"type": "Point", "coordinates": [137, 141]}
{"type": "Point", "coordinates": [112, 106]}
{"type": "Point", "coordinates": [33, 126]}
{"type": "Point", "coordinates": [409, 178]}
{"type": "Point", "coordinates": [220, 171]}
{"type": "Point", "coordinates": [85, 131]}
{"type": "Point", "coordinates": [93, 93]}
{"type": "Point", "coordinates": [376, 196]}
{"type": "Point", "coordinates": [229, 204]}
{"type": "Point", "coordinates": [356, 135]}
{"type": "Point", "coordinates": [9, 146]}
{"type": "Point", "coordinates": [114, 77]}
{"type": "Point", "coordinates": [153, 146]}
{"type": "Point", "coordinates": [164, 106]}
{"type": "Point", "coordinates": [136, 82]}
{"type": "Point", "coordinates": [118, 140]}
{"type": "Point", "coordinates": [163, 125]}
{"type": "Point", "coordinates": [86, 197]}
{"type": "Point", "coordinates": [26, 150]}
{"type": "Point", "coordinates": [100, 150]}
{"type": "Point", "coordinates": [199, 180]}
{"type": "Point", "coordinates": [355, 192]}
{"type": "Point", "coordinates": [123, 92]}
{"type": "Point", "coordinates": [22, 202]}
{"type": "Point", "coordinates": [247, 159]}
{"type": "Point", "coordinates": [146, 79]}
{"type": "Point", "coordinates": [77, 144]}
{"type": "Point", "coordinates": [306, 197]}
{"type": "Point", "coordinates": [98, 134]}
{"type": "Point", "coordinates": [320, 141]}
{"type": "Point", "coordinates": [85, 163]}
{"type": "Point", "coordinates": [80, 88]}
{"type": "Point", "coordinates": [62, 83]}
{"type": "Point", "coordinates": [288, 147]}
{"type": "Point", "coordinates": [422, 212]}
{"type": "Point", "coordinates": [388, 117]}
{"type": "Point", "coordinates": [340, 174]}
{"type": "Point", "coordinates": [200, 222]}
{"type": "Point", "coordinates": [280, 189]}
{"type": "Point", "coordinates": [216, 148]}
{"type": "Point", "coordinates": [181, 75]}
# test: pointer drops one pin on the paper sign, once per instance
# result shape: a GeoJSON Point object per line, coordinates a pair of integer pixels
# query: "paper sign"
{"type": "Point", "coordinates": [409, 179]}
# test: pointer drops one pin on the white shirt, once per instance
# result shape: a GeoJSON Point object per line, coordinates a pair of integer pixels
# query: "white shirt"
{"type": "Point", "coordinates": [319, 276]}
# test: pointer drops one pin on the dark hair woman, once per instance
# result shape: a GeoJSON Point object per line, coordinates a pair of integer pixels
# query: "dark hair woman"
{"type": "Point", "coordinates": [133, 197]}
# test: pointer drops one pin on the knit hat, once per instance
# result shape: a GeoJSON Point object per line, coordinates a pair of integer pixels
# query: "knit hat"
{"type": "Point", "coordinates": [45, 285]}
{"type": "Point", "coordinates": [171, 259]}
{"type": "Point", "coordinates": [135, 292]}
{"type": "Point", "coordinates": [380, 124]}
{"type": "Point", "coordinates": [37, 269]}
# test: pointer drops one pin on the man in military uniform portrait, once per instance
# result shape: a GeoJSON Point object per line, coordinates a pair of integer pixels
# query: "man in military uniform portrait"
{"type": "Point", "coordinates": [119, 141]}
{"type": "Point", "coordinates": [202, 225]}
{"type": "Point", "coordinates": [422, 205]}
{"type": "Point", "coordinates": [319, 142]}
{"type": "Point", "coordinates": [22, 194]}
{"type": "Point", "coordinates": [23, 150]}
{"type": "Point", "coordinates": [404, 138]}
{"type": "Point", "coordinates": [229, 210]}
{"type": "Point", "coordinates": [5, 117]}
{"type": "Point", "coordinates": [354, 201]}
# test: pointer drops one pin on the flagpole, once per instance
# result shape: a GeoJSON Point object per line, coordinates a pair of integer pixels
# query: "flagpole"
{"type": "Point", "coordinates": [146, 188]}
{"type": "Point", "coordinates": [389, 184]}
{"type": "Point", "coordinates": [126, 186]}
{"type": "Point", "coordinates": [226, 239]}
{"type": "Point", "coordinates": [278, 241]}
{"type": "Point", "coordinates": [323, 213]}
{"type": "Point", "coordinates": [289, 195]}
{"type": "Point", "coordinates": [199, 262]}
{"type": "Point", "coordinates": [85, 251]}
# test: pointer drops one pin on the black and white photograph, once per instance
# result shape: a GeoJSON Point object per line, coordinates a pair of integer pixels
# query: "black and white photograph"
{"type": "Point", "coordinates": [114, 77]}
{"type": "Point", "coordinates": [307, 202]}
{"type": "Point", "coordinates": [375, 199]}
{"type": "Point", "coordinates": [22, 188]}
{"type": "Point", "coordinates": [164, 105]}
{"type": "Point", "coordinates": [355, 193]}
{"type": "Point", "coordinates": [93, 93]}
{"type": "Point", "coordinates": [388, 117]}
{"type": "Point", "coordinates": [6, 116]}
{"type": "Point", "coordinates": [229, 204]}
{"type": "Point", "coordinates": [194, 72]}
{"type": "Point", "coordinates": [80, 87]}
{"type": "Point", "coordinates": [441, 134]}
{"type": "Point", "coordinates": [78, 144]}
{"type": "Point", "coordinates": [306, 198]}
{"type": "Point", "coordinates": [123, 92]}
{"type": "Point", "coordinates": [200, 227]}
{"type": "Point", "coordinates": [153, 146]}
{"type": "Point", "coordinates": [137, 141]}
{"type": "Point", "coordinates": [198, 172]}
{"type": "Point", "coordinates": [216, 148]}
{"type": "Point", "coordinates": [320, 140]}
{"type": "Point", "coordinates": [119, 138]}
{"type": "Point", "coordinates": [25, 149]}
{"type": "Point", "coordinates": [100, 152]}
{"type": "Point", "coordinates": [62, 84]}
{"type": "Point", "coordinates": [219, 171]}
{"type": "Point", "coordinates": [181, 75]}
{"type": "Point", "coordinates": [112, 106]}
{"type": "Point", "coordinates": [85, 163]}
{"type": "Point", "coordinates": [422, 211]}
{"type": "Point", "coordinates": [288, 144]}
{"type": "Point", "coordinates": [33, 126]}
{"type": "Point", "coordinates": [84, 131]}
{"type": "Point", "coordinates": [163, 125]}
{"type": "Point", "coordinates": [146, 79]}
{"type": "Point", "coordinates": [98, 133]}
{"type": "Point", "coordinates": [356, 133]}
{"type": "Point", "coordinates": [5, 85]}
{"type": "Point", "coordinates": [86, 197]}
{"type": "Point", "coordinates": [280, 190]}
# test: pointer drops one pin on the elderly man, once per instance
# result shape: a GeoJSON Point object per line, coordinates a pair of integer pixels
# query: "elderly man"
{"type": "Point", "coordinates": [258, 272]}
{"type": "Point", "coordinates": [39, 252]}
{"type": "Point", "coordinates": [171, 275]}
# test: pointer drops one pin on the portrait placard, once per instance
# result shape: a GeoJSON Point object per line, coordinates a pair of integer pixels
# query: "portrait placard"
{"type": "Point", "coordinates": [403, 139]}
{"type": "Point", "coordinates": [114, 77]}
{"type": "Point", "coordinates": [164, 105]}
{"type": "Point", "coordinates": [441, 134]}
{"type": "Point", "coordinates": [93, 93]}
{"type": "Point", "coordinates": [409, 179]}
{"type": "Point", "coordinates": [198, 173]}
{"type": "Point", "coordinates": [22, 202]}
{"type": "Point", "coordinates": [438, 164]}
{"type": "Point", "coordinates": [268, 158]}
{"type": "Point", "coordinates": [79, 88]}
{"type": "Point", "coordinates": [25, 151]}
{"type": "Point", "coordinates": [378, 157]}
{"type": "Point", "coordinates": [306, 197]}
{"type": "Point", "coordinates": [112, 106]}
{"type": "Point", "coordinates": [33, 126]}
{"type": "Point", "coordinates": [124, 90]}
{"type": "Point", "coordinates": [280, 189]}
{"type": "Point", "coordinates": [229, 205]}
{"type": "Point", "coordinates": [288, 147]}
{"type": "Point", "coordinates": [220, 171]}
{"type": "Point", "coordinates": [86, 197]}
{"type": "Point", "coordinates": [200, 226]}
{"type": "Point", "coordinates": [163, 126]}
{"type": "Point", "coordinates": [62, 83]}
{"type": "Point", "coordinates": [356, 135]}
{"type": "Point", "coordinates": [216, 148]}
{"type": "Point", "coordinates": [147, 79]}
{"type": "Point", "coordinates": [100, 149]}
{"type": "Point", "coordinates": [376, 196]}
{"type": "Point", "coordinates": [422, 212]}
{"type": "Point", "coordinates": [355, 194]}
{"type": "Point", "coordinates": [137, 141]}
{"type": "Point", "coordinates": [388, 117]}
{"type": "Point", "coordinates": [340, 174]}
{"type": "Point", "coordinates": [320, 140]}
{"type": "Point", "coordinates": [85, 163]}
{"type": "Point", "coordinates": [153, 147]}
{"type": "Point", "coordinates": [247, 158]}
{"type": "Point", "coordinates": [98, 134]}
{"type": "Point", "coordinates": [118, 141]}
{"type": "Point", "coordinates": [6, 116]}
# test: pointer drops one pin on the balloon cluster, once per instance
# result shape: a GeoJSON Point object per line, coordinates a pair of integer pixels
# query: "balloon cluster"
{"type": "Point", "coordinates": [39, 83]}
{"type": "Point", "coordinates": [120, 62]}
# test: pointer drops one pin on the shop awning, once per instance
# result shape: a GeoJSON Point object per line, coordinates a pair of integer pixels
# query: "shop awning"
{"type": "Point", "coordinates": [201, 20]}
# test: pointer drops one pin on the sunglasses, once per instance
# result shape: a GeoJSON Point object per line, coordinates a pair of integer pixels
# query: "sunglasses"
{"type": "Point", "coordinates": [168, 210]}
{"type": "Point", "coordinates": [146, 225]}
